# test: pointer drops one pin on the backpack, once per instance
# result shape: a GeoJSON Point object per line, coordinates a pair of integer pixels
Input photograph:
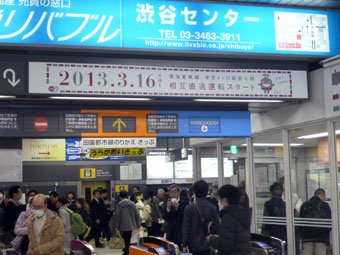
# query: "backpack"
{"type": "Point", "coordinates": [78, 226]}
{"type": "Point", "coordinates": [315, 212]}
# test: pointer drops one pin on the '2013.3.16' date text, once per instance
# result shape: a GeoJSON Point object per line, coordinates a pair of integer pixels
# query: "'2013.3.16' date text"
{"type": "Point", "coordinates": [103, 79]}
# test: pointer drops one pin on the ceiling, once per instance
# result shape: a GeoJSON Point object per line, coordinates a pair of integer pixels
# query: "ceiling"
{"type": "Point", "coordinates": [328, 4]}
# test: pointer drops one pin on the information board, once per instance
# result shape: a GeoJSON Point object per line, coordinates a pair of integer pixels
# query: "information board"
{"type": "Point", "coordinates": [332, 91]}
{"type": "Point", "coordinates": [10, 123]}
{"type": "Point", "coordinates": [170, 25]}
{"type": "Point", "coordinates": [76, 123]}
{"type": "Point", "coordinates": [162, 123]}
{"type": "Point", "coordinates": [130, 128]}
{"type": "Point", "coordinates": [157, 81]}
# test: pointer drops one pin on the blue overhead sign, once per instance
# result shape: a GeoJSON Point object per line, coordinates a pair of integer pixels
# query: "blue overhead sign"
{"type": "Point", "coordinates": [210, 124]}
{"type": "Point", "coordinates": [170, 25]}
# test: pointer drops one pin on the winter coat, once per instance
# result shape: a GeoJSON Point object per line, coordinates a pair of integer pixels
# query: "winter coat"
{"type": "Point", "coordinates": [20, 229]}
{"type": "Point", "coordinates": [234, 231]}
{"type": "Point", "coordinates": [314, 234]}
{"type": "Point", "coordinates": [127, 217]}
{"type": "Point", "coordinates": [156, 212]}
{"type": "Point", "coordinates": [98, 211]}
{"type": "Point", "coordinates": [12, 212]}
{"type": "Point", "coordinates": [194, 230]}
{"type": "Point", "coordinates": [275, 207]}
{"type": "Point", "coordinates": [66, 219]}
{"type": "Point", "coordinates": [52, 237]}
{"type": "Point", "coordinates": [174, 219]}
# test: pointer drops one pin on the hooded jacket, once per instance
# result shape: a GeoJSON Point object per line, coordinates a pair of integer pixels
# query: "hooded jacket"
{"type": "Point", "coordinates": [127, 217]}
{"type": "Point", "coordinates": [52, 236]}
{"type": "Point", "coordinates": [234, 231]}
{"type": "Point", "coordinates": [194, 230]}
{"type": "Point", "coordinates": [21, 228]}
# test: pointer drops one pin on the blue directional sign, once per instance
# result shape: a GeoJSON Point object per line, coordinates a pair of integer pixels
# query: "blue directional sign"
{"type": "Point", "coordinates": [210, 124]}
{"type": "Point", "coordinates": [170, 25]}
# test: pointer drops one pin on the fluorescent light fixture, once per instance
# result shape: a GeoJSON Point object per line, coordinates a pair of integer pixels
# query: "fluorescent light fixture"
{"type": "Point", "coordinates": [237, 101]}
{"type": "Point", "coordinates": [274, 144]}
{"type": "Point", "coordinates": [103, 98]}
{"type": "Point", "coordinates": [7, 97]}
{"type": "Point", "coordinates": [318, 135]}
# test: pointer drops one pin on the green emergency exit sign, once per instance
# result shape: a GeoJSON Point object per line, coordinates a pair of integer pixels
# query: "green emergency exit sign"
{"type": "Point", "coordinates": [233, 149]}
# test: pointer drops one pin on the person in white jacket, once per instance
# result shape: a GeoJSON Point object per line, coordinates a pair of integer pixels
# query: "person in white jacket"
{"type": "Point", "coordinates": [66, 219]}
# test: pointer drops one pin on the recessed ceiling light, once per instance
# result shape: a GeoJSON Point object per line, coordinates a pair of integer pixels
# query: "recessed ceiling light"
{"type": "Point", "coordinates": [274, 144]}
{"type": "Point", "coordinates": [7, 97]}
{"type": "Point", "coordinates": [102, 98]}
{"type": "Point", "coordinates": [317, 135]}
{"type": "Point", "coordinates": [237, 101]}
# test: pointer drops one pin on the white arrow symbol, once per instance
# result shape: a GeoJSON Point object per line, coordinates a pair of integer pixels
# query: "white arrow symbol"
{"type": "Point", "coordinates": [13, 82]}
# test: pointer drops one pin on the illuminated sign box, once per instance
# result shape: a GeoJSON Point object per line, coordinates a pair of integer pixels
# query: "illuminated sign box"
{"type": "Point", "coordinates": [170, 25]}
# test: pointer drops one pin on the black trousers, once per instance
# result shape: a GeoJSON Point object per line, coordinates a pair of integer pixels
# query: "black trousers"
{"type": "Point", "coordinates": [127, 240]}
{"type": "Point", "coordinates": [95, 233]}
{"type": "Point", "coordinates": [106, 231]}
{"type": "Point", "coordinates": [156, 230]}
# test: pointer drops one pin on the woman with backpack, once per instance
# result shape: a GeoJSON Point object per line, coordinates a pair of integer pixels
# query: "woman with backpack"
{"type": "Point", "coordinates": [84, 210]}
{"type": "Point", "coordinates": [66, 219]}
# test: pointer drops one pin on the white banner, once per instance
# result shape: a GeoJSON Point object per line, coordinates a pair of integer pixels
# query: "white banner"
{"type": "Point", "coordinates": [140, 81]}
{"type": "Point", "coordinates": [90, 143]}
{"type": "Point", "coordinates": [332, 91]}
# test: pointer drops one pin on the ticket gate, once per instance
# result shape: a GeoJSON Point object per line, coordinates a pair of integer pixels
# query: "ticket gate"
{"type": "Point", "coordinates": [154, 246]}
{"type": "Point", "coordinates": [266, 245]}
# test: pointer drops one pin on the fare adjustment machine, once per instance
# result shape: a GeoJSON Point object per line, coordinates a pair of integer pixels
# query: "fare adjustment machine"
{"type": "Point", "coordinates": [154, 246]}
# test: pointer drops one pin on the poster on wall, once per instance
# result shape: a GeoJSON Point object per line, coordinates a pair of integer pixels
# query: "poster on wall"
{"type": "Point", "coordinates": [131, 171]}
{"type": "Point", "coordinates": [76, 152]}
{"type": "Point", "coordinates": [43, 149]}
{"type": "Point", "coordinates": [11, 165]}
{"type": "Point", "coordinates": [159, 81]}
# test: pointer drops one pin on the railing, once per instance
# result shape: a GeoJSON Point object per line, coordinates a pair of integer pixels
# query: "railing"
{"type": "Point", "coordinates": [298, 222]}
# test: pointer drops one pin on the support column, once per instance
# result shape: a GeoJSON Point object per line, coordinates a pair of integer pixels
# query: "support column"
{"type": "Point", "coordinates": [288, 187]}
{"type": "Point", "coordinates": [220, 164]}
{"type": "Point", "coordinates": [196, 165]}
{"type": "Point", "coordinates": [333, 171]}
{"type": "Point", "coordinates": [250, 182]}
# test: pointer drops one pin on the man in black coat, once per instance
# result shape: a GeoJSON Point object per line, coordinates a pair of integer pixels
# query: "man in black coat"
{"type": "Point", "coordinates": [98, 217]}
{"type": "Point", "coordinates": [275, 207]}
{"type": "Point", "coordinates": [315, 240]}
{"type": "Point", "coordinates": [197, 217]}
{"type": "Point", "coordinates": [234, 230]}
{"type": "Point", "coordinates": [173, 213]}
{"type": "Point", "coordinates": [13, 208]}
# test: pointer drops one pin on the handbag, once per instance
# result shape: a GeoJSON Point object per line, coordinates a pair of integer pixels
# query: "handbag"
{"type": "Point", "coordinates": [143, 232]}
{"type": "Point", "coordinates": [117, 242]}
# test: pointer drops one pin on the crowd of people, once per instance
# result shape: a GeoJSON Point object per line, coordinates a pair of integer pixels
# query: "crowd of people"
{"type": "Point", "coordinates": [191, 219]}
{"type": "Point", "coordinates": [198, 222]}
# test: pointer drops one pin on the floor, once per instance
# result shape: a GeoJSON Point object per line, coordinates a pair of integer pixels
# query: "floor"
{"type": "Point", "coordinates": [108, 251]}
